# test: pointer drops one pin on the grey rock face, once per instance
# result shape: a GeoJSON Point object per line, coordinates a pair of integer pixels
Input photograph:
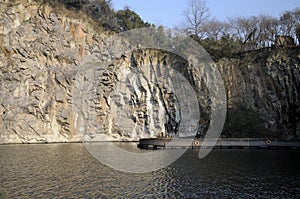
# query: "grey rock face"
{"type": "Point", "coordinates": [52, 89]}
{"type": "Point", "coordinates": [50, 92]}
{"type": "Point", "coordinates": [267, 83]}
{"type": "Point", "coordinates": [40, 51]}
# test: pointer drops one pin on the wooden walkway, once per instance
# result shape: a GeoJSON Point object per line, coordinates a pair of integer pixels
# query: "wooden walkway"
{"type": "Point", "coordinates": [224, 143]}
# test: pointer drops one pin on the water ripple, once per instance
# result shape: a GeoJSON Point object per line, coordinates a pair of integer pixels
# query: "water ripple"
{"type": "Point", "coordinates": [69, 171]}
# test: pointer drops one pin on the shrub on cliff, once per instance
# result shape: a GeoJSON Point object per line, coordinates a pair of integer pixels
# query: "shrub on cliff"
{"type": "Point", "coordinates": [128, 19]}
{"type": "Point", "coordinates": [103, 13]}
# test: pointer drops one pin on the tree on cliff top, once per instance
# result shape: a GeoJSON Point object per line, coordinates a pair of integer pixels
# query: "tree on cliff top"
{"type": "Point", "coordinates": [128, 19]}
{"type": "Point", "coordinates": [195, 16]}
{"type": "Point", "coordinates": [103, 13]}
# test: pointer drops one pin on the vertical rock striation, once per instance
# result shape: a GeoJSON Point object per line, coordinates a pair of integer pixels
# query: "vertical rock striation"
{"type": "Point", "coordinates": [264, 84]}
{"type": "Point", "coordinates": [46, 94]}
{"type": "Point", "coordinates": [40, 49]}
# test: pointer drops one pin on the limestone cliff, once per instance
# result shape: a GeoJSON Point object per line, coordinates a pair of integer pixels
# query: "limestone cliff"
{"type": "Point", "coordinates": [40, 51]}
{"type": "Point", "coordinates": [263, 90]}
{"type": "Point", "coordinates": [46, 97]}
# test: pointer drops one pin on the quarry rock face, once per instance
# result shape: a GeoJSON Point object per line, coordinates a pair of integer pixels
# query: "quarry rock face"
{"type": "Point", "coordinates": [53, 90]}
{"type": "Point", "coordinates": [126, 101]}
{"type": "Point", "coordinates": [40, 51]}
{"type": "Point", "coordinates": [267, 83]}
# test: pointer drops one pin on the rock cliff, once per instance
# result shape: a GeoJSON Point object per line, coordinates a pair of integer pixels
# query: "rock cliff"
{"type": "Point", "coordinates": [40, 51]}
{"type": "Point", "coordinates": [263, 93]}
{"type": "Point", "coordinates": [46, 97]}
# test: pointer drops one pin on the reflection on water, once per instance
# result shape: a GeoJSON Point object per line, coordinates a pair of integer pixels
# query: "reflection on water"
{"type": "Point", "coordinates": [124, 158]}
{"type": "Point", "coordinates": [68, 170]}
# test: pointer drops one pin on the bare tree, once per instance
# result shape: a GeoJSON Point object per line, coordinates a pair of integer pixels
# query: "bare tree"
{"type": "Point", "coordinates": [238, 33]}
{"type": "Point", "coordinates": [245, 30]}
{"type": "Point", "coordinates": [214, 29]}
{"type": "Point", "coordinates": [298, 32]}
{"type": "Point", "coordinates": [289, 21]}
{"type": "Point", "coordinates": [269, 28]}
{"type": "Point", "coordinates": [195, 17]}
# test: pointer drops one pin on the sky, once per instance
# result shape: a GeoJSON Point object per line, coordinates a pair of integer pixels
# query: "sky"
{"type": "Point", "coordinates": [169, 13]}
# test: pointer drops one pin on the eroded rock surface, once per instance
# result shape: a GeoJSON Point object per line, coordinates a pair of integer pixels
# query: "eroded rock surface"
{"type": "Point", "coordinates": [52, 89]}
{"type": "Point", "coordinates": [40, 51]}
{"type": "Point", "coordinates": [267, 84]}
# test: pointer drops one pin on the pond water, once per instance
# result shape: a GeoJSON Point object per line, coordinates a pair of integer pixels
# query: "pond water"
{"type": "Point", "coordinates": [69, 171]}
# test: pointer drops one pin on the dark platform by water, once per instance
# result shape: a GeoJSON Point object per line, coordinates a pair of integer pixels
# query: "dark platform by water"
{"type": "Point", "coordinates": [221, 143]}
